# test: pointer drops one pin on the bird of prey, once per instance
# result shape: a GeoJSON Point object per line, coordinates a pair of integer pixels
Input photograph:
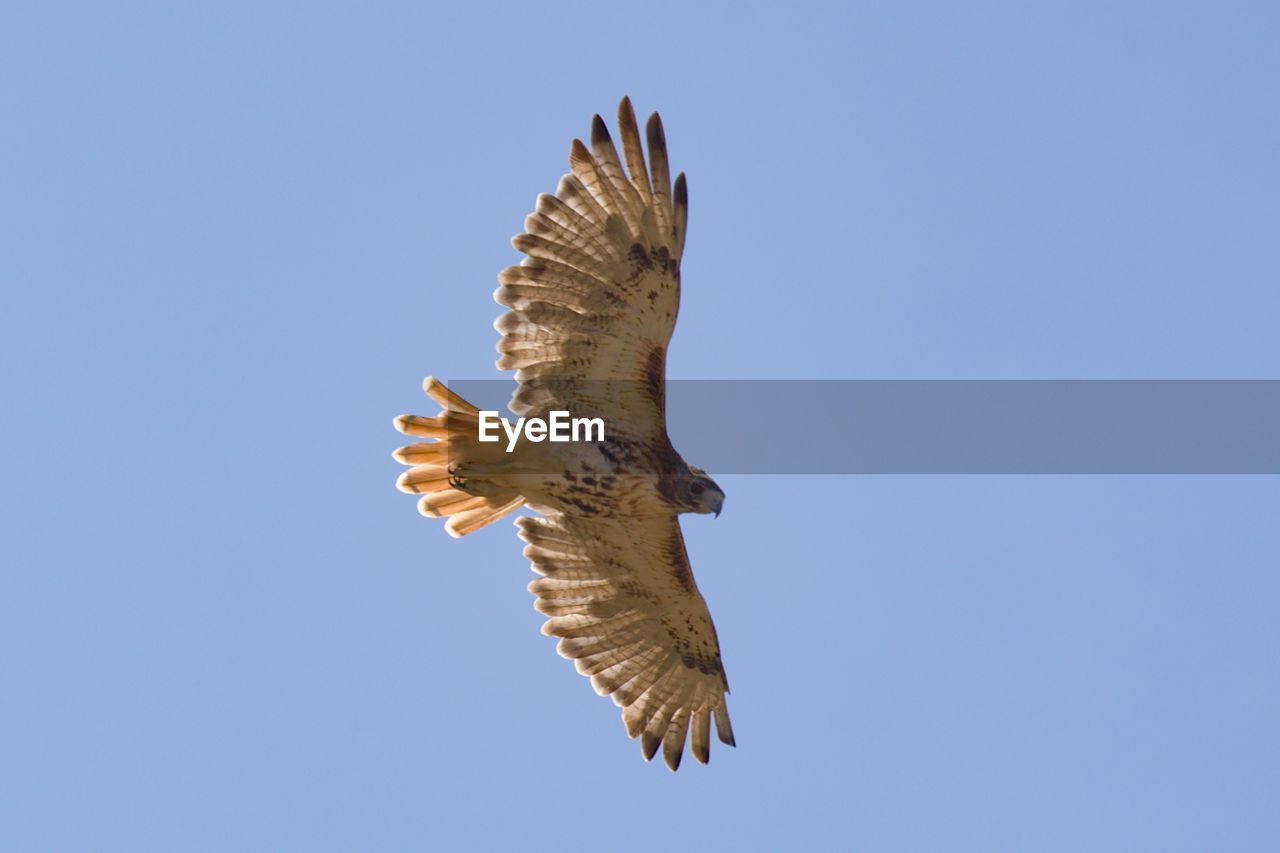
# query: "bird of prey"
{"type": "Point", "coordinates": [592, 308]}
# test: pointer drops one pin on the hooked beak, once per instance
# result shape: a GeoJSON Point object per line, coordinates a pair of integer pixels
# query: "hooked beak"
{"type": "Point", "coordinates": [718, 505]}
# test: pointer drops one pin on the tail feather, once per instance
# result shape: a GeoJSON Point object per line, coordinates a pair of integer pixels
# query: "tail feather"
{"type": "Point", "coordinates": [430, 474]}
{"type": "Point", "coordinates": [423, 453]}
{"type": "Point", "coordinates": [453, 403]}
{"type": "Point", "coordinates": [423, 427]}
{"type": "Point", "coordinates": [424, 480]}
{"type": "Point", "coordinates": [448, 502]}
{"type": "Point", "coordinates": [473, 519]}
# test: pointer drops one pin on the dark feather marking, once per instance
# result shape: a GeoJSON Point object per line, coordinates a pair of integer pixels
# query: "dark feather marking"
{"type": "Point", "coordinates": [637, 590]}
{"type": "Point", "coordinates": [649, 744]}
{"type": "Point", "coordinates": [621, 452]}
{"type": "Point", "coordinates": [599, 131]}
{"type": "Point", "coordinates": [587, 507]}
{"type": "Point", "coordinates": [680, 562]}
{"type": "Point", "coordinates": [705, 660]}
{"type": "Point", "coordinates": [655, 370]}
{"type": "Point", "coordinates": [663, 258]}
{"type": "Point", "coordinates": [640, 257]}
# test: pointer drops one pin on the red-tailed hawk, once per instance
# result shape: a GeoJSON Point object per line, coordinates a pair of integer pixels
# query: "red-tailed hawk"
{"type": "Point", "coordinates": [593, 306]}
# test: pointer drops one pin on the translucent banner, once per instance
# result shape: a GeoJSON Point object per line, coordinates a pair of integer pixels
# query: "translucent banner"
{"type": "Point", "coordinates": [933, 426]}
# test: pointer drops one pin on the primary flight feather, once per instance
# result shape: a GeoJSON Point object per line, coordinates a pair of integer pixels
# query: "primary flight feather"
{"type": "Point", "coordinates": [592, 308]}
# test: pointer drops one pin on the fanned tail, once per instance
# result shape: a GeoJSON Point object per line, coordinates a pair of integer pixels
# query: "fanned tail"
{"type": "Point", "coordinates": [430, 474]}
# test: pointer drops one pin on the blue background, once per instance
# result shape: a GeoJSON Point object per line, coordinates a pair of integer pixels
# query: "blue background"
{"type": "Point", "coordinates": [234, 237]}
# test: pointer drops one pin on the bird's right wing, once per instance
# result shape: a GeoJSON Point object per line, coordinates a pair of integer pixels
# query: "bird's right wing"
{"type": "Point", "coordinates": [594, 303]}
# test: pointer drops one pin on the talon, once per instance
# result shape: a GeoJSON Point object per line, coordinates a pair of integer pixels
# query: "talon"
{"type": "Point", "coordinates": [455, 480]}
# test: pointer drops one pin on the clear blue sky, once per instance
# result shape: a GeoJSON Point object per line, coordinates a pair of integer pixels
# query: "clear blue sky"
{"type": "Point", "coordinates": [234, 239]}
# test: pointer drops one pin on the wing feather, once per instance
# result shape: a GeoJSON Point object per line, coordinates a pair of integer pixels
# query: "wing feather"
{"type": "Point", "coordinates": [659, 173]}
{"type": "Point", "coordinates": [633, 151]}
{"type": "Point", "coordinates": [571, 191]}
{"type": "Point", "coordinates": [673, 742]}
{"type": "Point", "coordinates": [681, 212]}
{"type": "Point", "coordinates": [609, 167]}
{"type": "Point", "coordinates": [700, 737]}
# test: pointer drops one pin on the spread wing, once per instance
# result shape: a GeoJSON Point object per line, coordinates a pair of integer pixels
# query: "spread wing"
{"type": "Point", "coordinates": [621, 596]}
{"type": "Point", "coordinates": [596, 298]}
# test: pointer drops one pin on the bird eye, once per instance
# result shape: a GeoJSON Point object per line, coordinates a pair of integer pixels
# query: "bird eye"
{"type": "Point", "coordinates": [696, 489]}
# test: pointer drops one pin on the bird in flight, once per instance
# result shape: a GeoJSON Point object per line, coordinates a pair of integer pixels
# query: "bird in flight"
{"type": "Point", "coordinates": [592, 308]}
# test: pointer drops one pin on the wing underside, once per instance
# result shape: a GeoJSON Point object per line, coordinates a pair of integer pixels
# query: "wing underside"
{"type": "Point", "coordinates": [620, 595]}
{"type": "Point", "coordinates": [595, 300]}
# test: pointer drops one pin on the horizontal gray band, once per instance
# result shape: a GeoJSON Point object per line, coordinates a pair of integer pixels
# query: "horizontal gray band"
{"type": "Point", "coordinates": [961, 427]}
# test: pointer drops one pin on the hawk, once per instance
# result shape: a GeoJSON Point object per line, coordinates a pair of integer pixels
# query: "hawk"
{"type": "Point", "coordinates": [592, 308]}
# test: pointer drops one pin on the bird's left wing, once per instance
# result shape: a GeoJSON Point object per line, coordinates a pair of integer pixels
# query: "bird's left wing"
{"type": "Point", "coordinates": [621, 596]}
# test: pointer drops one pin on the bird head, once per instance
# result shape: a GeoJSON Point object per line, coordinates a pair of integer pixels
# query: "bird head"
{"type": "Point", "coordinates": [699, 493]}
